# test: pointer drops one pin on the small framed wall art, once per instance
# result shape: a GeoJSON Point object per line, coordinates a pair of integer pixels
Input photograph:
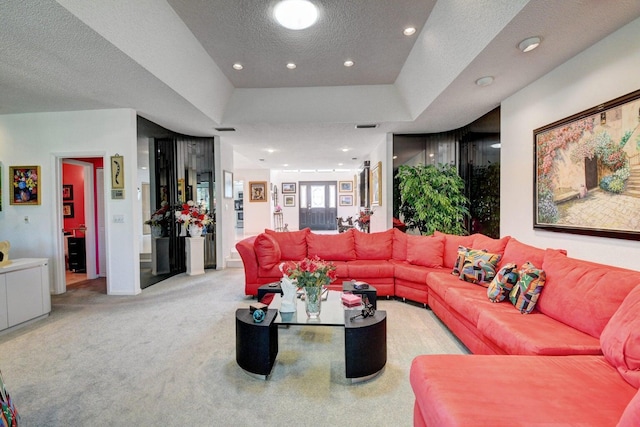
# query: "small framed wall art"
{"type": "Point", "coordinates": [288, 187]}
{"type": "Point", "coordinates": [25, 185]}
{"type": "Point", "coordinates": [67, 192]}
{"type": "Point", "coordinates": [228, 184]}
{"type": "Point", "coordinates": [67, 210]}
{"type": "Point", "coordinates": [346, 186]}
{"type": "Point", "coordinates": [376, 185]}
{"type": "Point", "coordinates": [289, 200]}
{"type": "Point", "coordinates": [346, 200]}
{"type": "Point", "coordinates": [258, 191]}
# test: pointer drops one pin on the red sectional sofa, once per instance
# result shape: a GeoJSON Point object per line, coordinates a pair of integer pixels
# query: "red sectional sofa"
{"type": "Point", "coordinates": [567, 362]}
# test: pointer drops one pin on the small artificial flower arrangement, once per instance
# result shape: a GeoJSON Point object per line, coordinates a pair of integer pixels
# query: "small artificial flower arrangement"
{"type": "Point", "coordinates": [364, 218]}
{"type": "Point", "coordinates": [192, 214]}
{"type": "Point", "coordinates": [161, 216]}
{"type": "Point", "coordinates": [278, 208]}
{"type": "Point", "coordinates": [311, 272]}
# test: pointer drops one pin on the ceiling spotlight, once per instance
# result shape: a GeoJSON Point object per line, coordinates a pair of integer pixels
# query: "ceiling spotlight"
{"type": "Point", "coordinates": [344, 150]}
{"type": "Point", "coordinates": [496, 145]}
{"type": "Point", "coordinates": [237, 66]}
{"type": "Point", "coordinates": [484, 81]}
{"type": "Point", "coordinates": [270, 150]}
{"type": "Point", "coordinates": [527, 45]}
{"type": "Point", "coordinates": [296, 14]}
{"type": "Point", "coordinates": [348, 63]}
{"type": "Point", "coordinates": [291, 66]}
{"type": "Point", "coordinates": [409, 31]}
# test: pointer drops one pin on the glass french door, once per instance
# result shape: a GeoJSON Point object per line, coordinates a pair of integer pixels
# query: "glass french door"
{"type": "Point", "coordinates": [318, 209]}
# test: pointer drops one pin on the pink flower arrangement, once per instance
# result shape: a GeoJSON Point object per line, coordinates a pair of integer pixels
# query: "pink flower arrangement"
{"type": "Point", "coordinates": [311, 272]}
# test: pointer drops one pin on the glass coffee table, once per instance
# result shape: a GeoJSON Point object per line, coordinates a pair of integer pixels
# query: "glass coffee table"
{"type": "Point", "coordinates": [365, 339]}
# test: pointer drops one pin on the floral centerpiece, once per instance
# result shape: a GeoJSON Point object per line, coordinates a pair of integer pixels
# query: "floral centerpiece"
{"type": "Point", "coordinates": [312, 275]}
{"type": "Point", "coordinates": [194, 217]}
{"type": "Point", "coordinates": [364, 219]}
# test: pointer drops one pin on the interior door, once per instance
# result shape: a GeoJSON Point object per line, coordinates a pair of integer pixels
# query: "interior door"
{"type": "Point", "coordinates": [318, 205]}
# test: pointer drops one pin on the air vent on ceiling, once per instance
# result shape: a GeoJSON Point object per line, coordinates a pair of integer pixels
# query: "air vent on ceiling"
{"type": "Point", "coordinates": [367, 126]}
{"type": "Point", "coordinates": [226, 129]}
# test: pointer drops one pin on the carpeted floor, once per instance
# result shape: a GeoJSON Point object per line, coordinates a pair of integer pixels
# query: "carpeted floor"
{"type": "Point", "coordinates": [167, 357]}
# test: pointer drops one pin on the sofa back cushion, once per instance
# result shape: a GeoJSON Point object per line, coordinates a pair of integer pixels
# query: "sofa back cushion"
{"type": "Point", "coordinates": [293, 244]}
{"type": "Point", "coordinates": [451, 244]}
{"type": "Point", "coordinates": [425, 250]}
{"type": "Point", "coordinates": [267, 251]}
{"type": "Point", "coordinates": [399, 245]}
{"type": "Point", "coordinates": [620, 339]}
{"type": "Point", "coordinates": [373, 246]}
{"type": "Point", "coordinates": [518, 253]}
{"type": "Point", "coordinates": [489, 244]}
{"type": "Point", "coordinates": [332, 247]}
{"type": "Point", "coordinates": [583, 294]}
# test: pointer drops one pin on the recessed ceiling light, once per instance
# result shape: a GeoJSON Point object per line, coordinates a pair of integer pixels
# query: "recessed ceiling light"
{"type": "Point", "coordinates": [237, 66]}
{"type": "Point", "coordinates": [527, 45]}
{"type": "Point", "coordinates": [348, 63]}
{"type": "Point", "coordinates": [484, 81]}
{"type": "Point", "coordinates": [285, 164]}
{"type": "Point", "coordinates": [270, 150]}
{"type": "Point", "coordinates": [291, 66]}
{"type": "Point", "coordinates": [497, 145]}
{"type": "Point", "coordinates": [339, 164]}
{"type": "Point", "coordinates": [409, 31]}
{"type": "Point", "coordinates": [344, 150]}
{"type": "Point", "coordinates": [394, 157]}
{"type": "Point", "coordinates": [296, 14]}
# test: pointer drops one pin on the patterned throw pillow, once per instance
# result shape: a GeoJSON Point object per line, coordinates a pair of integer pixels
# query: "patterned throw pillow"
{"type": "Point", "coordinates": [502, 284]}
{"type": "Point", "coordinates": [457, 267]}
{"type": "Point", "coordinates": [526, 292]}
{"type": "Point", "coordinates": [479, 267]}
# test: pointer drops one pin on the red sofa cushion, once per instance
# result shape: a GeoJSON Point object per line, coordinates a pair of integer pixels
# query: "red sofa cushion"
{"type": "Point", "coordinates": [467, 390]}
{"type": "Point", "coordinates": [620, 339]}
{"type": "Point", "coordinates": [518, 253]}
{"type": "Point", "coordinates": [332, 247]}
{"type": "Point", "coordinates": [399, 245]}
{"type": "Point", "coordinates": [293, 244]}
{"type": "Point", "coordinates": [425, 250]}
{"type": "Point", "coordinates": [267, 250]}
{"type": "Point", "coordinates": [451, 243]}
{"type": "Point", "coordinates": [583, 294]}
{"type": "Point", "coordinates": [364, 269]}
{"type": "Point", "coordinates": [631, 415]}
{"type": "Point", "coordinates": [489, 244]}
{"type": "Point", "coordinates": [533, 333]}
{"type": "Point", "coordinates": [374, 245]}
{"type": "Point", "coordinates": [411, 273]}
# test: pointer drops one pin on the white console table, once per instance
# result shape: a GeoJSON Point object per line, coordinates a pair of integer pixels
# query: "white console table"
{"type": "Point", "coordinates": [24, 291]}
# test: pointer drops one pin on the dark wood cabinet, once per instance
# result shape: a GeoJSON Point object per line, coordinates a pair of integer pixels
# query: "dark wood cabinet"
{"type": "Point", "coordinates": [77, 254]}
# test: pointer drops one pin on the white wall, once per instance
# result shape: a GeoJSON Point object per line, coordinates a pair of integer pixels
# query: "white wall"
{"type": "Point", "coordinates": [40, 139]}
{"type": "Point", "coordinates": [290, 215]}
{"type": "Point", "coordinates": [225, 214]}
{"type": "Point", "coordinates": [257, 215]}
{"type": "Point", "coordinates": [605, 71]}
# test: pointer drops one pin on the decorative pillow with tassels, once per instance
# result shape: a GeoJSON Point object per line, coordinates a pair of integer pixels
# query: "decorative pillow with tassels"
{"type": "Point", "coordinates": [501, 285]}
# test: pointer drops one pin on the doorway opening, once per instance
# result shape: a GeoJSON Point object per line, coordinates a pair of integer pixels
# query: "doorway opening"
{"type": "Point", "coordinates": [81, 196]}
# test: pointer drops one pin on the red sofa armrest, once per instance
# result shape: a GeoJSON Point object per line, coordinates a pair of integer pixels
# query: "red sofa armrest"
{"type": "Point", "coordinates": [250, 262]}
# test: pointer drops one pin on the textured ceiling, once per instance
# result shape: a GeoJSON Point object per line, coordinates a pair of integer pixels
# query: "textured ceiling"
{"type": "Point", "coordinates": [368, 32]}
{"type": "Point", "coordinates": [171, 62]}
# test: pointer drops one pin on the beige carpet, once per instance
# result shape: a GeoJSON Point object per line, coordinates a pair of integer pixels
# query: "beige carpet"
{"type": "Point", "coordinates": [167, 358]}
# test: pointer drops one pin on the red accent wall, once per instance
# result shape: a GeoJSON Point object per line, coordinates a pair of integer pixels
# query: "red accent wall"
{"type": "Point", "coordinates": [74, 175]}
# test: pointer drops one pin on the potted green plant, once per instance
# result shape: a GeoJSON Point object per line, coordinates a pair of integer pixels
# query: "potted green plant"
{"type": "Point", "coordinates": [432, 198]}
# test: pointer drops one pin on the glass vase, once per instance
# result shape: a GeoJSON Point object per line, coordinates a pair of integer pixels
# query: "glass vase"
{"type": "Point", "coordinates": [312, 301]}
{"type": "Point", "coordinates": [195, 231]}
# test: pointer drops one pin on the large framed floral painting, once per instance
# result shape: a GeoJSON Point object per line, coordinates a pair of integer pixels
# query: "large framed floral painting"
{"type": "Point", "coordinates": [25, 185]}
{"type": "Point", "coordinates": [587, 175]}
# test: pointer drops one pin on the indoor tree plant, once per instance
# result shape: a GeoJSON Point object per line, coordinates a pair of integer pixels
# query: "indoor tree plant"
{"type": "Point", "coordinates": [432, 198]}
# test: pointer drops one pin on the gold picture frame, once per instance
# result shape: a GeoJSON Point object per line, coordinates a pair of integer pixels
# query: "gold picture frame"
{"type": "Point", "coordinates": [258, 191]}
{"type": "Point", "coordinates": [376, 185]}
{"type": "Point", "coordinates": [25, 185]}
